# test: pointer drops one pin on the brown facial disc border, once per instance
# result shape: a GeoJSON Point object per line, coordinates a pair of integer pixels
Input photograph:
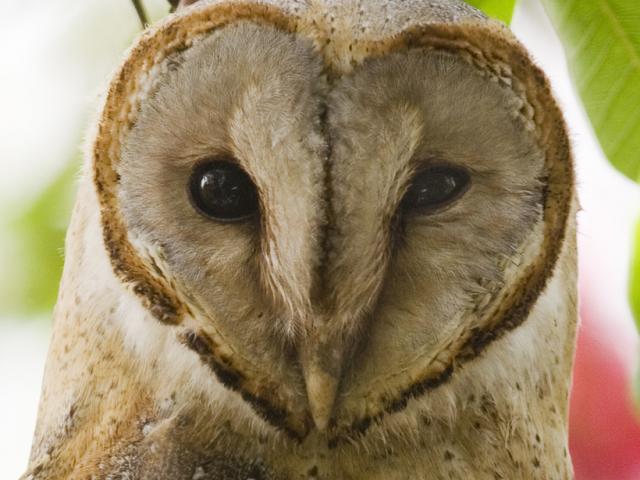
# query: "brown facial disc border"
{"type": "Point", "coordinates": [486, 45]}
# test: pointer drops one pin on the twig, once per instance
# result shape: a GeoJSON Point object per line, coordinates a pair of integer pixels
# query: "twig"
{"type": "Point", "coordinates": [142, 15]}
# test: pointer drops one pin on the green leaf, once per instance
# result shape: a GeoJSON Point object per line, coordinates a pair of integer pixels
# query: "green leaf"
{"type": "Point", "coordinates": [500, 9]}
{"type": "Point", "coordinates": [602, 42]}
{"type": "Point", "coordinates": [634, 287]}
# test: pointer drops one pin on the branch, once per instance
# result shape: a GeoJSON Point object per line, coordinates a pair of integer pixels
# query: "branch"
{"type": "Point", "coordinates": [142, 15]}
{"type": "Point", "coordinates": [178, 4]}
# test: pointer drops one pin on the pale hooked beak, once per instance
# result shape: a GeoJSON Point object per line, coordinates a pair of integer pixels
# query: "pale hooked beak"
{"type": "Point", "coordinates": [322, 368]}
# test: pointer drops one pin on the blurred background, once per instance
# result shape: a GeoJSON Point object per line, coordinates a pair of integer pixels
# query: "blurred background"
{"type": "Point", "coordinates": [58, 57]}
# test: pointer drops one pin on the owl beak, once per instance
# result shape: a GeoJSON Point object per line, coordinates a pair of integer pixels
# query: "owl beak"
{"type": "Point", "coordinates": [322, 368]}
{"type": "Point", "coordinates": [321, 391]}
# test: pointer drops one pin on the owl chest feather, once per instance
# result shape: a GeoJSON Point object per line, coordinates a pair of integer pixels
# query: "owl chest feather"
{"type": "Point", "coordinates": [482, 445]}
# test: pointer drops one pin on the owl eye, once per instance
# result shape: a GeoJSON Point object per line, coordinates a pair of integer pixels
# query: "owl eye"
{"type": "Point", "coordinates": [435, 187]}
{"type": "Point", "coordinates": [221, 190]}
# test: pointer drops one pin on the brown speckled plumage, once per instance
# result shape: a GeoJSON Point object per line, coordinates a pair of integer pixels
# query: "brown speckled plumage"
{"type": "Point", "coordinates": [333, 338]}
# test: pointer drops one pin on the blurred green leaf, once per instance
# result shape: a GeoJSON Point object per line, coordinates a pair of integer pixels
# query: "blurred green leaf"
{"type": "Point", "coordinates": [500, 9]}
{"type": "Point", "coordinates": [34, 258]}
{"type": "Point", "coordinates": [602, 42]}
{"type": "Point", "coordinates": [634, 288]}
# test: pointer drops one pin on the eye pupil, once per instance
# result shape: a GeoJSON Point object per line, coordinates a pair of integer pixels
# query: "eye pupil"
{"type": "Point", "coordinates": [435, 187]}
{"type": "Point", "coordinates": [221, 190]}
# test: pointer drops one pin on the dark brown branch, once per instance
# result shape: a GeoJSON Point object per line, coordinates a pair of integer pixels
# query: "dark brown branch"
{"type": "Point", "coordinates": [142, 15]}
{"type": "Point", "coordinates": [177, 4]}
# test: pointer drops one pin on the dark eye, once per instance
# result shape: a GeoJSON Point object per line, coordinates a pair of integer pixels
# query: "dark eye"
{"type": "Point", "coordinates": [221, 190]}
{"type": "Point", "coordinates": [435, 187]}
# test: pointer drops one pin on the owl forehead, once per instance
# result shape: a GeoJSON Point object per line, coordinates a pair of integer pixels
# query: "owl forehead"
{"type": "Point", "coordinates": [346, 29]}
{"type": "Point", "coordinates": [344, 32]}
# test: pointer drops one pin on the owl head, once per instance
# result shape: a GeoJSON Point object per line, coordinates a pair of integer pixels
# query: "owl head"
{"type": "Point", "coordinates": [337, 206]}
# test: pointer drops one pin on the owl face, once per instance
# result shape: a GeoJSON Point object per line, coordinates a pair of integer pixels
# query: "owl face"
{"type": "Point", "coordinates": [332, 241]}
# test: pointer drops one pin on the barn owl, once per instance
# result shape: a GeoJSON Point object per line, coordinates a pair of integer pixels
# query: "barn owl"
{"type": "Point", "coordinates": [318, 239]}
